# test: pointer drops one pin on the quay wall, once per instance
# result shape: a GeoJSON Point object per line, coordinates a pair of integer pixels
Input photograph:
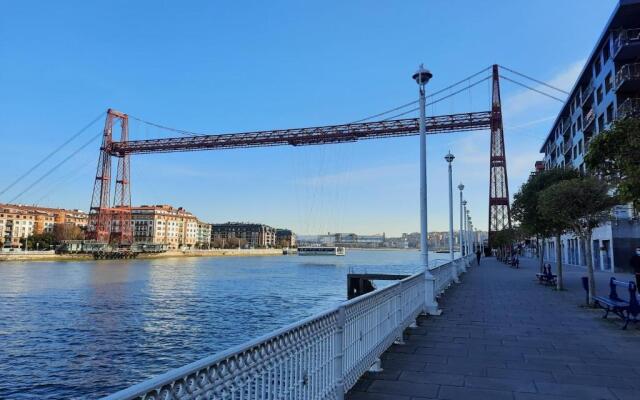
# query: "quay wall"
{"type": "Point", "coordinates": [51, 256]}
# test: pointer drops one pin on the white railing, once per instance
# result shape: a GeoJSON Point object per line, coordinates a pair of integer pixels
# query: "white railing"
{"type": "Point", "coordinates": [320, 357]}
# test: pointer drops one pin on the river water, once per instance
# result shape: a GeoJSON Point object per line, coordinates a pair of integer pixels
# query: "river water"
{"type": "Point", "coordinates": [88, 329]}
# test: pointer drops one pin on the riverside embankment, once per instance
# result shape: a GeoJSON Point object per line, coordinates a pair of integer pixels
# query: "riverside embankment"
{"type": "Point", "coordinates": [51, 256]}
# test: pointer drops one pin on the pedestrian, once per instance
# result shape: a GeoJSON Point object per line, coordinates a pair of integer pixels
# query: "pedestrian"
{"type": "Point", "coordinates": [635, 265]}
{"type": "Point", "coordinates": [478, 254]}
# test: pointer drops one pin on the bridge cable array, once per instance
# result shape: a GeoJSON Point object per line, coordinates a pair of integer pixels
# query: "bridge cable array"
{"type": "Point", "coordinates": [50, 155]}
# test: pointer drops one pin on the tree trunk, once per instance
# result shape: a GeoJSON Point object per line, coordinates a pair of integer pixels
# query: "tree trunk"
{"type": "Point", "coordinates": [539, 244]}
{"type": "Point", "coordinates": [560, 285]}
{"type": "Point", "coordinates": [590, 274]}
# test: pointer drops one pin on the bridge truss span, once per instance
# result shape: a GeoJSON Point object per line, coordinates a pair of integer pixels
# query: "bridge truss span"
{"type": "Point", "coordinates": [306, 136]}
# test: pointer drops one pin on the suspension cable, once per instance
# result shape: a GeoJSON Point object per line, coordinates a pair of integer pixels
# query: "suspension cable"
{"type": "Point", "coordinates": [48, 156]}
{"type": "Point", "coordinates": [530, 88]}
{"type": "Point", "coordinates": [535, 80]}
{"type": "Point", "coordinates": [467, 79]}
{"type": "Point", "coordinates": [55, 167]}
{"type": "Point", "coordinates": [440, 99]}
{"type": "Point", "coordinates": [180, 131]}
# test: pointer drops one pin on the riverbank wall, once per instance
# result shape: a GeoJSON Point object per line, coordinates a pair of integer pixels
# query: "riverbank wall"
{"type": "Point", "coordinates": [51, 256]}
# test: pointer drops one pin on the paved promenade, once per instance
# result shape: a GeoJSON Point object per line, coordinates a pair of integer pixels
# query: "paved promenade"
{"type": "Point", "coordinates": [503, 336]}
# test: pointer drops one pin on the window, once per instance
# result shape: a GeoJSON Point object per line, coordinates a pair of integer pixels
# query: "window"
{"type": "Point", "coordinates": [610, 113]}
{"type": "Point", "coordinates": [606, 53]}
{"type": "Point", "coordinates": [609, 82]}
{"type": "Point", "coordinates": [581, 146]}
{"type": "Point", "coordinates": [600, 122]}
{"type": "Point", "coordinates": [598, 66]}
{"type": "Point", "coordinates": [599, 95]}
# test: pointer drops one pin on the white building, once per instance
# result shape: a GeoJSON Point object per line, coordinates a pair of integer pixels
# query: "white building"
{"type": "Point", "coordinates": [607, 89]}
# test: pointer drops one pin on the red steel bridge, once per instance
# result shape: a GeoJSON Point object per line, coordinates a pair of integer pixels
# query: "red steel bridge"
{"type": "Point", "coordinates": [111, 222]}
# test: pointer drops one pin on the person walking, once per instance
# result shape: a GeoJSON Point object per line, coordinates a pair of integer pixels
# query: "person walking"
{"type": "Point", "coordinates": [635, 265]}
{"type": "Point", "coordinates": [478, 254]}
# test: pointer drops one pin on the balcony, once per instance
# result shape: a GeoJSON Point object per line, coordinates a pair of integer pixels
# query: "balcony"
{"type": "Point", "coordinates": [588, 120]}
{"type": "Point", "coordinates": [630, 108]}
{"type": "Point", "coordinates": [628, 78]}
{"type": "Point", "coordinates": [587, 92]}
{"type": "Point", "coordinates": [626, 44]}
{"type": "Point", "coordinates": [568, 145]}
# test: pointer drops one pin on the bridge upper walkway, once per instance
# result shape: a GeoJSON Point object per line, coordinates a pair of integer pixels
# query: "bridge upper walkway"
{"type": "Point", "coordinates": [503, 336]}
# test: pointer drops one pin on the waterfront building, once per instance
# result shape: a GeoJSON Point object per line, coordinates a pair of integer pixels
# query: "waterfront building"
{"type": "Point", "coordinates": [174, 227]}
{"type": "Point", "coordinates": [18, 221]}
{"type": "Point", "coordinates": [352, 240]}
{"type": "Point", "coordinates": [285, 238]}
{"type": "Point", "coordinates": [607, 89]}
{"type": "Point", "coordinates": [255, 235]}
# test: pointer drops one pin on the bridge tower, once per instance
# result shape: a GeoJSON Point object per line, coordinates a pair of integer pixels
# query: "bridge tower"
{"type": "Point", "coordinates": [111, 224]}
{"type": "Point", "coordinates": [499, 209]}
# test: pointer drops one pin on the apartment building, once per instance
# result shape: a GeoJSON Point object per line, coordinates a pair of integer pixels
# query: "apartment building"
{"type": "Point", "coordinates": [18, 221]}
{"type": "Point", "coordinates": [165, 224]}
{"type": "Point", "coordinates": [607, 89]}
{"type": "Point", "coordinates": [256, 235]}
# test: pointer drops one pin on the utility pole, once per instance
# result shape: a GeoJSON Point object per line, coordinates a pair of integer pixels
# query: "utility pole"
{"type": "Point", "coordinates": [464, 227]}
{"type": "Point", "coordinates": [449, 158]}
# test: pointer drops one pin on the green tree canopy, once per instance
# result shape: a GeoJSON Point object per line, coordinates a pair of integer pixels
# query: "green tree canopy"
{"type": "Point", "coordinates": [525, 202]}
{"type": "Point", "coordinates": [615, 156]}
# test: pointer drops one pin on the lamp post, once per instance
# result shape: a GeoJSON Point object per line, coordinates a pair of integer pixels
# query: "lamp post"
{"type": "Point", "coordinates": [464, 227]}
{"type": "Point", "coordinates": [449, 159]}
{"type": "Point", "coordinates": [422, 76]}
{"type": "Point", "coordinates": [461, 188]}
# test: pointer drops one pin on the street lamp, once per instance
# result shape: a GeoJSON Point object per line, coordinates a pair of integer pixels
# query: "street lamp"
{"type": "Point", "coordinates": [464, 227]}
{"type": "Point", "coordinates": [461, 188]}
{"type": "Point", "coordinates": [422, 76]}
{"type": "Point", "coordinates": [449, 159]}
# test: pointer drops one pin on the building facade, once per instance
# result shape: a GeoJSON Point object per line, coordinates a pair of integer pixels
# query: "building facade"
{"type": "Point", "coordinates": [174, 227]}
{"type": "Point", "coordinates": [255, 235]}
{"type": "Point", "coordinates": [285, 238]}
{"type": "Point", "coordinates": [607, 89]}
{"type": "Point", "coordinates": [19, 221]}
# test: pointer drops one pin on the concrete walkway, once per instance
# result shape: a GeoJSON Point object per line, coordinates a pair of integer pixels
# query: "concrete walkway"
{"type": "Point", "coordinates": [503, 336]}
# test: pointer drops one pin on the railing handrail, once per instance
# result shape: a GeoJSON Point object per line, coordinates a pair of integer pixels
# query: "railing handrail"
{"type": "Point", "coordinates": [396, 291]}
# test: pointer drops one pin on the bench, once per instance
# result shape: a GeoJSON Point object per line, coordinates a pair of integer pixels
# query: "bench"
{"type": "Point", "coordinates": [628, 310]}
{"type": "Point", "coordinates": [546, 277]}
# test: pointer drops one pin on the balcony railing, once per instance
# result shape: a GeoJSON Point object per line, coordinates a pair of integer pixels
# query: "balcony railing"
{"type": "Point", "coordinates": [625, 38]}
{"type": "Point", "coordinates": [628, 72]}
{"type": "Point", "coordinates": [587, 91]}
{"type": "Point", "coordinates": [321, 357]}
{"type": "Point", "coordinates": [629, 108]}
{"type": "Point", "coordinates": [588, 120]}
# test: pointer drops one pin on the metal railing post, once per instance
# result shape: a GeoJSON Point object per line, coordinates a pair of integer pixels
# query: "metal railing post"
{"type": "Point", "coordinates": [400, 315]}
{"type": "Point", "coordinates": [339, 353]}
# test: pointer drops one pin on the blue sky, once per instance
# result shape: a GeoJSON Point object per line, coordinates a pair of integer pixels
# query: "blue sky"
{"type": "Point", "coordinates": [217, 67]}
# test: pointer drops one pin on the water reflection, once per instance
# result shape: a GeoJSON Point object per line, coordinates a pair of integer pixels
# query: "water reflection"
{"type": "Point", "coordinates": [85, 329]}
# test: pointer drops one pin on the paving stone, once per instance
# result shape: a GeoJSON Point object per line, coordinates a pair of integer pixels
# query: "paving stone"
{"type": "Point", "coordinates": [581, 391]}
{"type": "Point", "coordinates": [432, 377]}
{"type": "Point", "coordinates": [404, 388]}
{"type": "Point", "coordinates": [510, 384]}
{"type": "Point", "coordinates": [626, 394]}
{"type": "Point", "coordinates": [464, 393]}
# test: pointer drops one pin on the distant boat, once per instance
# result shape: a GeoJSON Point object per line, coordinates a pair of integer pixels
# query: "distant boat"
{"type": "Point", "coordinates": [321, 251]}
{"type": "Point", "coordinates": [442, 251]}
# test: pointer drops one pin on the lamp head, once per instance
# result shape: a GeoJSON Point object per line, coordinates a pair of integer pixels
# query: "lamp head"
{"type": "Point", "coordinates": [464, 202]}
{"type": "Point", "coordinates": [449, 157]}
{"type": "Point", "coordinates": [422, 75]}
{"type": "Point", "coordinates": [461, 187]}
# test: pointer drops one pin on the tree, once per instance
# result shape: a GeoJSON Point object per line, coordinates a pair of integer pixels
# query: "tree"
{"type": "Point", "coordinates": [614, 155]}
{"type": "Point", "coordinates": [40, 241]}
{"type": "Point", "coordinates": [63, 232]}
{"type": "Point", "coordinates": [532, 222]}
{"type": "Point", "coordinates": [580, 205]}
